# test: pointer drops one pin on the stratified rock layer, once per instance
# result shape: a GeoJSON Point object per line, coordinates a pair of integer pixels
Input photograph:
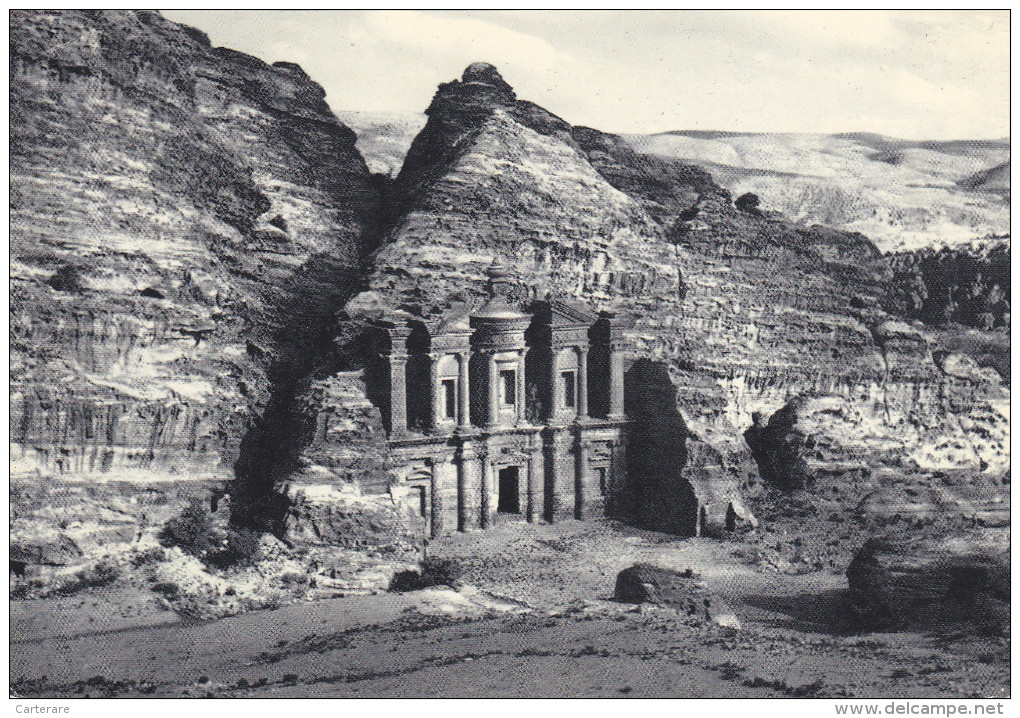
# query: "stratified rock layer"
{"type": "Point", "coordinates": [745, 309]}
{"type": "Point", "coordinates": [185, 221]}
{"type": "Point", "coordinates": [181, 216]}
{"type": "Point", "coordinates": [930, 461]}
{"type": "Point", "coordinates": [903, 194]}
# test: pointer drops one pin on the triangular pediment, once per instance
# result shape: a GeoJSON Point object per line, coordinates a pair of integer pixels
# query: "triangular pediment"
{"type": "Point", "coordinates": [567, 313]}
{"type": "Point", "coordinates": [455, 320]}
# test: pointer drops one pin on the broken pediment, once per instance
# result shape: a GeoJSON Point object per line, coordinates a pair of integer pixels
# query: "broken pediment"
{"type": "Point", "coordinates": [564, 314]}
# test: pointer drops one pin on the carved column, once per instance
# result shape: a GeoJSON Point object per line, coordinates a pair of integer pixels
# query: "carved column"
{"type": "Point", "coordinates": [610, 487]}
{"type": "Point", "coordinates": [616, 380]}
{"type": "Point", "coordinates": [436, 518]}
{"type": "Point", "coordinates": [398, 394]}
{"type": "Point", "coordinates": [486, 491]}
{"type": "Point", "coordinates": [435, 388]}
{"type": "Point", "coordinates": [465, 459]}
{"type": "Point", "coordinates": [580, 466]}
{"type": "Point", "coordinates": [582, 383]}
{"type": "Point", "coordinates": [521, 398]}
{"type": "Point", "coordinates": [493, 391]}
{"type": "Point", "coordinates": [556, 405]}
{"type": "Point", "coordinates": [555, 459]}
{"type": "Point", "coordinates": [534, 479]}
{"type": "Point", "coordinates": [464, 417]}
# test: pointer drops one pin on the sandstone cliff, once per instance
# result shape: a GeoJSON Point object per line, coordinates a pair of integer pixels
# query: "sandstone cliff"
{"type": "Point", "coordinates": [180, 217]}
{"type": "Point", "coordinates": [745, 308]}
{"type": "Point", "coordinates": [185, 222]}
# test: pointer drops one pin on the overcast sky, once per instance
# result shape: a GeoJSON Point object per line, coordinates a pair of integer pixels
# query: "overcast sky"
{"type": "Point", "coordinates": [912, 74]}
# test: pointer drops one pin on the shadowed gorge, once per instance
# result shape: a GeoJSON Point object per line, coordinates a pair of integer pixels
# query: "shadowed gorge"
{"type": "Point", "coordinates": [658, 496]}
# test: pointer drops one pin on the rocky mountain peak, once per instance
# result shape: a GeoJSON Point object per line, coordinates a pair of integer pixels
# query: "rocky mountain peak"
{"type": "Point", "coordinates": [480, 90]}
{"type": "Point", "coordinates": [484, 73]}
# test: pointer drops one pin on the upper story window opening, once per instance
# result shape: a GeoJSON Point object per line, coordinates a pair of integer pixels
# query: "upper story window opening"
{"type": "Point", "coordinates": [449, 394]}
{"type": "Point", "coordinates": [508, 387]}
{"type": "Point", "coordinates": [569, 389]}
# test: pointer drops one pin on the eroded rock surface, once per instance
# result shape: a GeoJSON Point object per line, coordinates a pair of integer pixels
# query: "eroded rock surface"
{"type": "Point", "coordinates": [897, 583]}
{"type": "Point", "coordinates": [152, 295]}
{"type": "Point", "coordinates": [185, 222]}
{"type": "Point", "coordinates": [931, 462]}
{"type": "Point", "coordinates": [744, 310]}
{"type": "Point", "coordinates": [684, 591]}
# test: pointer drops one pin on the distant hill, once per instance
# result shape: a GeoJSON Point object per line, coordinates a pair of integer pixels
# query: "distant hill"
{"type": "Point", "coordinates": [995, 179]}
{"type": "Point", "coordinates": [902, 194]}
{"type": "Point", "coordinates": [384, 137]}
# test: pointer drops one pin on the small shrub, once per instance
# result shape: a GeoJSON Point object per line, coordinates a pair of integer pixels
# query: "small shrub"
{"type": "Point", "coordinates": [748, 203]}
{"type": "Point", "coordinates": [432, 572]}
{"type": "Point", "coordinates": [193, 531]}
{"type": "Point", "coordinates": [67, 279]}
{"type": "Point", "coordinates": [167, 588]}
{"type": "Point", "coordinates": [101, 574]}
{"type": "Point", "coordinates": [20, 590]}
{"type": "Point", "coordinates": [242, 548]}
{"type": "Point", "coordinates": [149, 556]}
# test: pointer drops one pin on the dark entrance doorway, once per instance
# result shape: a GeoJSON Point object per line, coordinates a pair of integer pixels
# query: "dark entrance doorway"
{"type": "Point", "coordinates": [509, 491]}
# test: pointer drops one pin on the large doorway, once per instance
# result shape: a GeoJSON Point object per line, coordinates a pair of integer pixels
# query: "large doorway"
{"type": "Point", "coordinates": [509, 491]}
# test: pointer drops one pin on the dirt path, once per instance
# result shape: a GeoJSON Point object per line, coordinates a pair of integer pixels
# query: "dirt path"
{"type": "Point", "coordinates": [572, 641]}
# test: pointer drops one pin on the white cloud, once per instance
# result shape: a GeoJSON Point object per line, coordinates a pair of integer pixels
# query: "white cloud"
{"type": "Point", "coordinates": [927, 74]}
{"type": "Point", "coordinates": [832, 27]}
{"type": "Point", "coordinates": [445, 32]}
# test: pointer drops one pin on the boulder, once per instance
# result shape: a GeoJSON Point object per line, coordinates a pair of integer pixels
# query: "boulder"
{"type": "Point", "coordinates": [331, 516]}
{"type": "Point", "coordinates": [55, 549]}
{"type": "Point", "coordinates": [963, 366]}
{"type": "Point", "coordinates": [897, 585]}
{"type": "Point", "coordinates": [684, 591]}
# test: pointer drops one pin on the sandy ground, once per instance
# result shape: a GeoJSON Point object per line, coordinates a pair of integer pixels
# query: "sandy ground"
{"type": "Point", "coordinates": [535, 619]}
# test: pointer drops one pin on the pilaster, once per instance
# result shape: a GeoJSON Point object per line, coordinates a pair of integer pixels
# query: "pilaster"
{"type": "Point", "coordinates": [582, 383]}
{"type": "Point", "coordinates": [493, 418]}
{"type": "Point", "coordinates": [398, 394]}
{"type": "Point", "coordinates": [464, 392]}
{"type": "Point", "coordinates": [535, 488]}
{"type": "Point", "coordinates": [580, 471]}
{"type": "Point", "coordinates": [486, 508]}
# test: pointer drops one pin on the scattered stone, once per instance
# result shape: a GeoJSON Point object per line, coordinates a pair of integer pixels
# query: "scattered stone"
{"type": "Point", "coordinates": [643, 583]}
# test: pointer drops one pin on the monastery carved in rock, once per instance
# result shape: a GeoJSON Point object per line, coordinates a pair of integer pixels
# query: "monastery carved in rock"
{"type": "Point", "coordinates": [498, 414]}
